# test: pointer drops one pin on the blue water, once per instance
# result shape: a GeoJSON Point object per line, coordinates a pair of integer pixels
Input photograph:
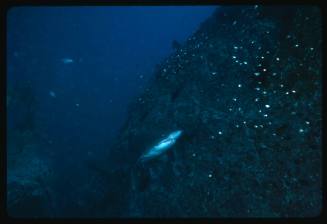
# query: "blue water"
{"type": "Point", "coordinates": [83, 66]}
{"type": "Point", "coordinates": [110, 114]}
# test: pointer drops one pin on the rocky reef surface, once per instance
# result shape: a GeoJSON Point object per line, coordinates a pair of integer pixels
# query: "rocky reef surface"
{"type": "Point", "coordinates": [29, 174]}
{"type": "Point", "coordinates": [246, 91]}
{"type": "Point", "coordinates": [28, 192]}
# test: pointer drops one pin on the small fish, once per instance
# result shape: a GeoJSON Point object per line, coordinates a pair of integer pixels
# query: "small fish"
{"type": "Point", "coordinates": [67, 60]}
{"type": "Point", "coordinates": [162, 146]}
{"type": "Point", "coordinates": [52, 94]}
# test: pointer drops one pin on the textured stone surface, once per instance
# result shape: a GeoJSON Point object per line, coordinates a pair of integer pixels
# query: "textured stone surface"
{"type": "Point", "coordinates": [28, 190]}
{"type": "Point", "coordinates": [246, 91]}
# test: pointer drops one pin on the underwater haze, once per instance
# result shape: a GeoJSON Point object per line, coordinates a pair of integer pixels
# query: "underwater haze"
{"type": "Point", "coordinates": [164, 111]}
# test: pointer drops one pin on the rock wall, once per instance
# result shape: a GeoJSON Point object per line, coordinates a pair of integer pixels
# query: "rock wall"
{"type": "Point", "coordinates": [246, 91]}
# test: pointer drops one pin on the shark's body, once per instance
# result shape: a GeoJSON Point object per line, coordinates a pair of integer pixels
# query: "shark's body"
{"type": "Point", "coordinates": [67, 60]}
{"type": "Point", "coordinates": [162, 146]}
